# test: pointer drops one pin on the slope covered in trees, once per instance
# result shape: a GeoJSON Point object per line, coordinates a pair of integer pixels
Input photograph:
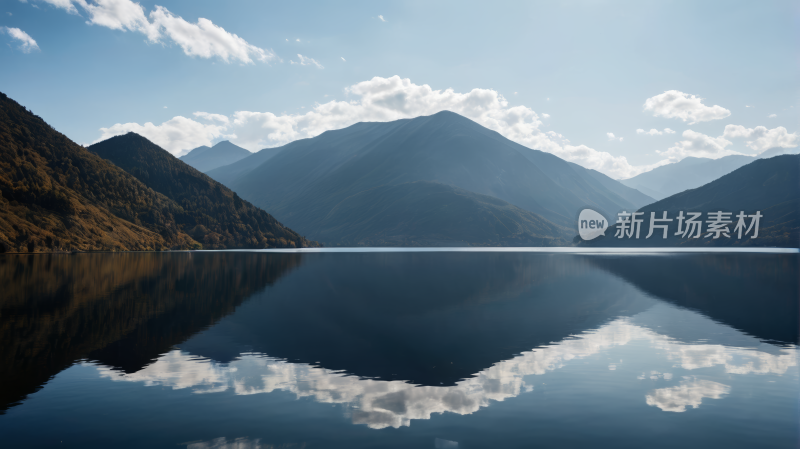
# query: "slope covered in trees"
{"type": "Point", "coordinates": [56, 195]}
{"type": "Point", "coordinates": [211, 213]}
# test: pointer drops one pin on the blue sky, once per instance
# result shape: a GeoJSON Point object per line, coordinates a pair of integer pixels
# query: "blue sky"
{"type": "Point", "coordinates": [554, 76]}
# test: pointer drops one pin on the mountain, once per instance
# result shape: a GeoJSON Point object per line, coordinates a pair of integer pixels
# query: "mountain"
{"type": "Point", "coordinates": [769, 186]}
{"type": "Point", "coordinates": [304, 182]}
{"type": "Point", "coordinates": [55, 195]}
{"type": "Point", "coordinates": [212, 214]}
{"type": "Point", "coordinates": [425, 213]}
{"type": "Point", "coordinates": [777, 151]}
{"type": "Point", "coordinates": [208, 158]}
{"type": "Point", "coordinates": [689, 173]}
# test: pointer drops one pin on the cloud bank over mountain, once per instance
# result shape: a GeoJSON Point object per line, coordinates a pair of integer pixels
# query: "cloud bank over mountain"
{"type": "Point", "coordinates": [387, 99]}
{"type": "Point", "coordinates": [379, 99]}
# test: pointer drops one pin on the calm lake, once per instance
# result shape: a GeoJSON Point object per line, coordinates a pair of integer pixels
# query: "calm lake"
{"type": "Point", "coordinates": [399, 349]}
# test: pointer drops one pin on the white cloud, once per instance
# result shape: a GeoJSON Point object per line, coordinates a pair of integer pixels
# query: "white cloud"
{"type": "Point", "coordinates": [207, 40]}
{"type": "Point", "coordinates": [691, 393]}
{"type": "Point", "coordinates": [748, 106]}
{"type": "Point", "coordinates": [63, 4]}
{"type": "Point", "coordinates": [307, 61]}
{"type": "Point", "coordinates": [212, 117]}
{"type": "Point", "coordinates": [761, 139]}
{"type": "Point", "coordinates": [345, 60]}
{"type": "Point", "coordinates": [386, 99]}
{"type": "Point", "coordinates": [772, 115]}
{"type": "Point", "coordinates": [27, 44]}
{"type": "Point", "coordinates": [668, 131]}
{"type": "Point", "coordinates": [545, 115]}
{"type": "Point", "coordinates": [203, 39]}
{"type": "Point", "coordinates": [696, 144]}
{"type": "Point", "coordinates": [123, 15]}
{"type": "Point", "coordinates": [177, 135]}
{"type": "Point", "coordinates": [652, 132]}
{"type": "Point", "coordinates": [676, 104]}
{"type": "Point", "coordinates": [382, 19]}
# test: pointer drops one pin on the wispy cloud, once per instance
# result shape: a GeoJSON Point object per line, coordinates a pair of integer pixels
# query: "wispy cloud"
{"type": "Point", "coordinates": [27, 43]}
{"type": "Point", "coordinates": [202, 39]}
{"type": "Point", "coordinates": [345, 60]}
{"type": "Point", "coordinates": [307, 61]}
{"type": "Point", "coordinates": [382, 19]}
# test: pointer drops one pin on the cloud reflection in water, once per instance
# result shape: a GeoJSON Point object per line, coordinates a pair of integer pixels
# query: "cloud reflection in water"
{"type": "Point", "coordinates": [380, 404]}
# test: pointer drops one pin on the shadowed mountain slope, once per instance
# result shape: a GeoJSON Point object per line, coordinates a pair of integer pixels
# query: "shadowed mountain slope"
{"type": "Point", "coordinates": [769, 186]}
{"type": "Point", "coordinates": [212, 214]}
{"type": "Point", "coordinates": [208, 158]}
{"type": "Point", "coordinates": [305, 181]}
{"type": "Point", "coordinates": [425, 213]}
{"type": "Point", "coordinates": [56, 195]}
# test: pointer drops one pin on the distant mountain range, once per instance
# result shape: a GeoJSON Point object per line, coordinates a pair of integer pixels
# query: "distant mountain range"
{"type": "Point", "coordinates": [58, 196]}
{"type": "Point", "coordinates": [769, 186]}
{"type": "Point", "coordinates": [692, 172]}
{"type": "Point", "coordinates": [340, 186]}
{"type": "Point", "coordinates": [208, 158]}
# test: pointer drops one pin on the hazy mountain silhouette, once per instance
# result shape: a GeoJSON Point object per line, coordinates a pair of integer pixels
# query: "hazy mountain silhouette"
{"type": "Point", "coordinates": [206, 158]}
{"type": "Point", "coordinates": [777, 151]}
{"type": "Point", "coordinates": [689, 173]}
{"type": "Point", "coordinates": [212, 214]}
{"type": "Point", "coordinates": [56, 195]}
{"type": "Point", "coordinates": [769, 186]}
{"type": "Point", "coordinates": [305, 181]}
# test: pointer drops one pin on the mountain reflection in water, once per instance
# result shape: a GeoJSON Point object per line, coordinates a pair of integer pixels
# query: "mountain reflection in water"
{"type": "Point", "coordinates": [380, 404]}
{"type": "Point", "coordinates": [396, 337]}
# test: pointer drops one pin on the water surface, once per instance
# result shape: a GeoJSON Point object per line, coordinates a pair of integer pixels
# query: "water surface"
{"type": "Point", "coordinates": [399, 349]}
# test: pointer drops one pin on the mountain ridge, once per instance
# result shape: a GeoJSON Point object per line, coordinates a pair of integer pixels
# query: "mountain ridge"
{"type": "Point", "coordinates": [213, 214]}
{"type": "Point", "coordinates": [302, 182]}
{"type": "Point", "coordinates": [769, 186]}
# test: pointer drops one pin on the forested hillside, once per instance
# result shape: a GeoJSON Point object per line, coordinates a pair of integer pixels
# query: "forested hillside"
{"type": "Point", "coordinates": [56, 195]}
{"type": "Point", "coordinates": [212, 214]}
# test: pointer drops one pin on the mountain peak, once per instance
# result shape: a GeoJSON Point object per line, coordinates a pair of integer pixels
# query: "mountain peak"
{"type": "Point", "coordinates": [223, 153]}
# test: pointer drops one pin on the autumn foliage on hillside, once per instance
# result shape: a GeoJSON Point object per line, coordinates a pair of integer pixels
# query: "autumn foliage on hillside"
{"type": "Point", "coordinates": [57, 196]}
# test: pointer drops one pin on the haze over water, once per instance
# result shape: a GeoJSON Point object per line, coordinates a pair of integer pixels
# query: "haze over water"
{"type": "Point", "coordinates": [399, 349]}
